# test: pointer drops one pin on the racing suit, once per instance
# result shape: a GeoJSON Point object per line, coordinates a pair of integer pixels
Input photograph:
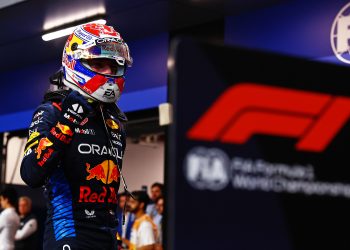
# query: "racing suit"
{"type": "Point", "coordinates": [78, 168]}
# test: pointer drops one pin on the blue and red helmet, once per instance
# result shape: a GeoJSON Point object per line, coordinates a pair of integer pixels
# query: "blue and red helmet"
{"type": "Point", "coordinates": [94, 41]}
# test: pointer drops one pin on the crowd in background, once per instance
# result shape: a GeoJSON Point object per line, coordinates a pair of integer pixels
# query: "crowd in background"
{"type": "Point", "coordinates": [139, 215]}
{"type": "Point", "coordinates": [18, 228]}
{"type": "Point", "coordinates": [141, 218]}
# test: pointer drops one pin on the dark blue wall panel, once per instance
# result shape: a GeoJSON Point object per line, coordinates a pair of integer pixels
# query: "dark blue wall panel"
{"type": "Point", "coordinates": [299, 28]}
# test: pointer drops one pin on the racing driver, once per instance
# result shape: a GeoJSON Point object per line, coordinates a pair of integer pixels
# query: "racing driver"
{"type": "Point", "coordinates": [76, 141]}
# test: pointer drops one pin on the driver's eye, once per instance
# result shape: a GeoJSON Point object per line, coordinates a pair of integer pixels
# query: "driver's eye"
{"type": "Point", "coordinates": [102, 66]}
{"type": "Point", "coordinates": [96, 64]}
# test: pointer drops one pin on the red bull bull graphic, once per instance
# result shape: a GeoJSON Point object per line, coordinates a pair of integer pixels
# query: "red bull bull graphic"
{"type": "Point", "coordinates": [60, 136]}
{"type": "Point", "coordinates": [64, 129]}
{"type": "Point", "coordinates": [112, 124]}
{"type": "Point", "coordinates": [43, 144]}
{"type": "Point", "coordinates": [107, 172]}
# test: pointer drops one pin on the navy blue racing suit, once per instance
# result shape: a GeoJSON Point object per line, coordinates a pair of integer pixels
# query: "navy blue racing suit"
{"type": "Point", "coordinates": [78, 169]}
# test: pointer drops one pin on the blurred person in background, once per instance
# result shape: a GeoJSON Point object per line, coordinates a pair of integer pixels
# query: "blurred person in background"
{"type": "Point", "coordinates": [156, 192]}
{"type": "Point", "coordinates": [158, 221]}
{"type": "Point", "coordinates": [125, 218]}
{"type": "Point", "coordinates": [159, 207]}
{"type": "Point", "coordinates": [9, 219]}
{"type": "Point", "coordinates": [144, 231]}
{"type": "Point", "coordinates": [26, 235]}
{"type": "Point", "coordinates": [77, 140]}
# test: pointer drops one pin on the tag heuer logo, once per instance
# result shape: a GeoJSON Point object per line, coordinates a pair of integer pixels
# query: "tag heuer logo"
{"type": "Point", "coordinates": [78, 108]}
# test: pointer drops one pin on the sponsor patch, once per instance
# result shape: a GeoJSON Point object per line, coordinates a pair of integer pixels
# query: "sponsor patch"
{"type": "Point", "coordinates": [112, 124]}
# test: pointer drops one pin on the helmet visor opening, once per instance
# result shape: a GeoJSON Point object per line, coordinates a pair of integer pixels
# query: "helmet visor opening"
{"type": "Point", "coordinates": [104, 66]}
{"type": "Point", "coordinates": [117, 51]}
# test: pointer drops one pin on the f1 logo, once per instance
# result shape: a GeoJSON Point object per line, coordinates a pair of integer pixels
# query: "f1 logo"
{"type": "Point", "coordinates": [246, 109]}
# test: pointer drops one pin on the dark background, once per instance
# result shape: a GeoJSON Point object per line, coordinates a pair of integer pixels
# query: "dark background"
{"type": "Point", "coordinates": [240, 219]}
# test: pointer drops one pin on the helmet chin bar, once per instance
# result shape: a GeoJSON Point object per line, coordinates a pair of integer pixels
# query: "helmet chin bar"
{"type": "Point", "coordinates": [88, 96]}
{"type": "Point", "coordinates": [82, 92]}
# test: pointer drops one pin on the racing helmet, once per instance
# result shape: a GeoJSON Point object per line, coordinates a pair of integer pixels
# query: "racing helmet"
{"type": "Point", "coordinates": [92, 44]}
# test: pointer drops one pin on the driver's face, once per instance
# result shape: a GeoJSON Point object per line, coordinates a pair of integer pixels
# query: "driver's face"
{"type": "Point", "coordinates": [103, 66]}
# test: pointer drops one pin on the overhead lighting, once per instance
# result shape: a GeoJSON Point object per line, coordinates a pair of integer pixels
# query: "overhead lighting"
{"type": "Point", "coordinates": [73, 14]}
{"type": "Point", "coordinates": [66, 31]}
{"type": "Point", "coordinates": [7, 3]}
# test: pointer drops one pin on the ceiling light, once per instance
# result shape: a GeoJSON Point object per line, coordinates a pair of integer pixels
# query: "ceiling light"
{"type": "Point", "coordinates": [72, 15]}
{"type": "Point", "coordinates": [66, 31]}
{"type": "Point", "coordinates": [7, 3]}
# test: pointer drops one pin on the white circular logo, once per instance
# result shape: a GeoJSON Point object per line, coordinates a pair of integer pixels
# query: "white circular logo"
{"type": "Point", "coordinates": [66, 247]}
{"type": "Point", "coordinates": [340, 34]}
{"type": "Point", "coordinates": [207, 168]}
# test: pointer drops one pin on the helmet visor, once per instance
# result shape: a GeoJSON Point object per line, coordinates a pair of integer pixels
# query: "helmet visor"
{"type": "Point", "coordinates": [116, 51]}
{"type": "Point", "coordinates": [104, 66]}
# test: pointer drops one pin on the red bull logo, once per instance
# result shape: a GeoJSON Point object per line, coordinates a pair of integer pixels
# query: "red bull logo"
{"type": "Point", "coordinates": [107, 172]}
{"type": "Point", "coordinates": [64, 129]}
{"type": "Point", "coordinates": [70, 64]}
{"type": "Point", "coordinates": [87, 195]}
{"type": "Point", "coordinates": [60, 136]}
{"type": "Point", "coordinates": [45, 157]}
{"type": "Point", "coordinates": [43, 144]}
{"type": "Point", "coordinates": [112, 124]}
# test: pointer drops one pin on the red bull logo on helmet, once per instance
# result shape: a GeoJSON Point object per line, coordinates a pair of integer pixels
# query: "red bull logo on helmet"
{"type": "Point", "coordinates": [107, 172]}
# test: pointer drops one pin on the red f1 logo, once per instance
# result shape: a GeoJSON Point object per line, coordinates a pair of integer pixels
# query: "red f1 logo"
{"type": "Point", "coordinates": [246, 109]}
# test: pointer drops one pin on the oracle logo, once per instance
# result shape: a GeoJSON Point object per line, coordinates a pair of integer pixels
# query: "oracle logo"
{"type": "Point", "coordinates": [247, 109]}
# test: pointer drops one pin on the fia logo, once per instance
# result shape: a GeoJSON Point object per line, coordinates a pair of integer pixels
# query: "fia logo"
{"type": "Point", "coordinates": [207, 169]}
{"type": "Point", "coordinates": [340, 34]}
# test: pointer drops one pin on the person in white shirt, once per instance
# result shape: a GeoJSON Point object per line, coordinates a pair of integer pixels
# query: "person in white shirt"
{"type": "Point", "coordinates": [9, 219]}
{"type": "Point", "coordinates": [144, 231]}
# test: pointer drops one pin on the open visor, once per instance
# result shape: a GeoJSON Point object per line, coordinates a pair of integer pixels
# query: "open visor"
{"type": "Point", "coordinates": [104, 66]}
{"type": "Point", "coordinates": [116, 51]}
